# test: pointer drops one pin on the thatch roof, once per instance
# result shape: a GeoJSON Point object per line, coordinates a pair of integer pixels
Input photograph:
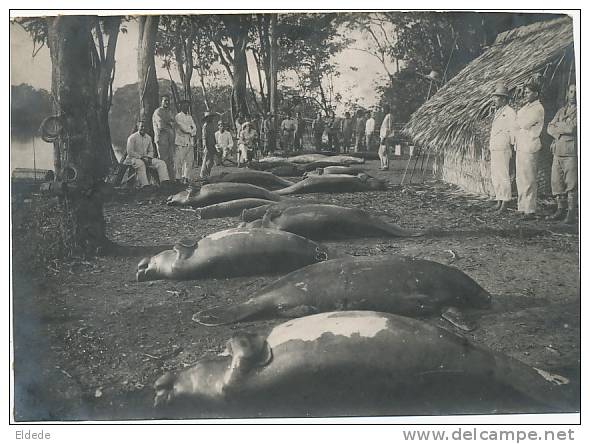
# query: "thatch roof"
{"type": "Point", "coordinates": [452, 119]}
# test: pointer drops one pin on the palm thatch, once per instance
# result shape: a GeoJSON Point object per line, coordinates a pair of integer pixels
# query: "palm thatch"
{"type": "Point", "coordinates": [456, 121]}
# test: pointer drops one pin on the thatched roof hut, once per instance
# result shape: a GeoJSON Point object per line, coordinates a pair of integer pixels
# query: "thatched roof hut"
{"type": "Point", "coordinates": [455, 122]}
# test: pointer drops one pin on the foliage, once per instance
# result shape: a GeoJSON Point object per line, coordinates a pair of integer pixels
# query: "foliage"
{"type": "Point", "coordinates": [28, 108]}
{"type": "Point", "coordinates": [307, 44]}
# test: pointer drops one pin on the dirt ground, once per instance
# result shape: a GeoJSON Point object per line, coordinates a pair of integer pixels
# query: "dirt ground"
{"type": "Point", "coordinates": [90, 341]}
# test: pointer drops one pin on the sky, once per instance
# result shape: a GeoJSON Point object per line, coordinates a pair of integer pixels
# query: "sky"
{"type": "Point", "coordinates": [36, 71]}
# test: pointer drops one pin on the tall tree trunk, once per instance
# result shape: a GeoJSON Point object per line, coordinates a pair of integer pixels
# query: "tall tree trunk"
{"type": "Point", "coordinates": [83, 162]}
{"type": "Point", "coordinates": [105, 79]}
{"type": "Point", "coordinates": [273, 78]}
{"type": "Point", "coordinates": [240, 68]}
{"type": "Point", "coordinates": [146, 69]}
{"type": "Point", "coordinates": [273, 63]}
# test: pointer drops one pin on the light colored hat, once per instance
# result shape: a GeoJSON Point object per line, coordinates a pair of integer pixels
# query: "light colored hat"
{"type": "Point", "coordinates": [434, 75]}
{"type": "Point", "coordinates": [501, 90]}
{"type": "Point", "coordinates": [209, 114]}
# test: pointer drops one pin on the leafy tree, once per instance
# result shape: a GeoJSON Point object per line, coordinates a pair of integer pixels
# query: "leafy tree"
{"type": "Point", "coordinates": [307, 44]}
{"type": "Point", "coordinates": [103, 37]}
{"type": "Point", "coordinates": [84, 164]}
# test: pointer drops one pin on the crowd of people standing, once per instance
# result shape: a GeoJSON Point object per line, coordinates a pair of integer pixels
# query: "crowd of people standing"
{"type": "Point", "coordinates": [180, 142]}
{"type": "Point", "coordinates": [520, 131]}
{"type": "Point", "coordinates": [175, 136]}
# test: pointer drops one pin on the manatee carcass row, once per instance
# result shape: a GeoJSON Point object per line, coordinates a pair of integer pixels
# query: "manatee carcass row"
{"type": "Point", "coordinates": [262, 179]}
{"type": "Point", "coordinates": [230, 208]}
{"type": "Point", "coordinates": [220, 192]}
{"type": "Point", "coordinates": [358, 363]}
{"type": "Point", "coordinates": [394, 284]}
{"type": "Point", "coordinates": [326, 221]}
{"type": "Point", "coordinates": [233, 252]}
{"type": "Point", "coordinates": [335, 160]}
{"type": "Point", "coordinates": [334, 183]}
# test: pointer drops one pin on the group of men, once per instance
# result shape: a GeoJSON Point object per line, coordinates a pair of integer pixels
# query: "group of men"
{"type": "Point", "coordinates": [173, 135]}
{"type": "Point", "coordinates": [521, 131]}
{"type": "Point", "coordinates": [348, 133]}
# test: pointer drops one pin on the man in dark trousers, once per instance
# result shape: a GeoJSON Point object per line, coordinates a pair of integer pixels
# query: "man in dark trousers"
{"type": "Point", "coordinates": [209, 149]}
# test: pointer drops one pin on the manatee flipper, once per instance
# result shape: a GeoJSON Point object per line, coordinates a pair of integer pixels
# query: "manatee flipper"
{"type": "Point", "coordinates": [185, 248]}
{"type": "Point", "coordinates": [298, 311]}
{"type": "Point", "coordinates": [247, 351]}
{"type": "Point", "coordinates": [268, 216]}
{"type": "Point", "coordinates": [458, 319]}
{"type": "Point", "coordinates": [215, 316]}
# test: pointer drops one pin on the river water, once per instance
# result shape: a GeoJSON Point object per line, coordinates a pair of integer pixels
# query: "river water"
{"type": "Point", "coordinates": [34, 152]}
{"type": "Point", "coordinates": [30, 153]}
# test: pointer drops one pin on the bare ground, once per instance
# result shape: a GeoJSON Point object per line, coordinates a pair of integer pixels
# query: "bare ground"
{"type": "Point", "coordinates": [89, 341]}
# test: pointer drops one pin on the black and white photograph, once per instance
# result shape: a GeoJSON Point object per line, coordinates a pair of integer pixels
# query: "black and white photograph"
{"type": "Point", "coordinates": [265, 214]}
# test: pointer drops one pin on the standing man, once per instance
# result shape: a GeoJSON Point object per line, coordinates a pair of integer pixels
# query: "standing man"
{"type": "Point", "coordinates": [502, 138]}
{"type": "Point", "coordinates": [224, 143]}
{"type": "Point", "coordinates": [247, 143]}
{"type": "Point", "coordinates": [164, 123]}
{"type": "Point", "coordinates": [369, 130]}
{"type": "Point", "coordinates": [346, 128]}
{"type": "Point", "coordinates": [184, 140]}
{"type": "Point", "coordinates": [140, 155]}
{"type": "Point", "coordinates": [564, 172]}
{"type": "Point", "coordinates": [209, 150]}
{"type": "Point", "coordinates": [288, 132]}
{"type": "Point", "coordinates": [333, 129]}
{"type": "Point", "coordinates": [361, 122]}
{"type": "Point", "coordinates": [299, 129]}
{"type": "Point", "coordinates": [385, 135]}
{"type": "Point", "coordinates": [266, 134]}
{"type": "Point", "coordinates": [530, 120]}
{"type": "Point", "coordinates": [317, 127]}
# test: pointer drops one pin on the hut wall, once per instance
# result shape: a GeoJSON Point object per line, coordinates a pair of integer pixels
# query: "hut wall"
{"type": "Point", "coordinates": [473, 175]}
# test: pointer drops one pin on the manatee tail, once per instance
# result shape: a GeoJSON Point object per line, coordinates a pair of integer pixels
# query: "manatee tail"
{"type": "Point", "coordinates": [215, 316]}
{"type": "Point", "coordinates": [542, 386]}
{"type": "Point", "coordinates": [395, 230]}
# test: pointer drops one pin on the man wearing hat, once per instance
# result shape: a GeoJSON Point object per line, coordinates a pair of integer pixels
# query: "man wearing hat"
{"type": "Point", "coordinates": [502, 138]}
{"type": "Point", "coordinates": [564, 172]}
{"type": "Point", "coordinates": [185, 132]}
{"type": "Point", "coordinates": [209, 149]}
{"type": "Point", "coordinates": [163, 123]}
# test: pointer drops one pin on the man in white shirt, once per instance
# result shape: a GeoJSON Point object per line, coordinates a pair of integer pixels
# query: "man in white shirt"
{"type": "Point", "coordinates": [369, 129]}
{"type": "Point", "coordinates": [184, 155]}
{"type": "Point", "coordinates": [502, 137]}
{"type": "Point", "coordinates": [385, 136]}
{"type": "Point", "coordinates": [530, 120]}
{"type": "Point", "coordinates": [224, 142]}
{"type": "Point", "coordinates": [140, 155]}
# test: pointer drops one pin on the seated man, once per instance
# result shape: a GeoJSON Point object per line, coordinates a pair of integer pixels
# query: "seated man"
{"type": "Point", "coordinates": [140, 155]}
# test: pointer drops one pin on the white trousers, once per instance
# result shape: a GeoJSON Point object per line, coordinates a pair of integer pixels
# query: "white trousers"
{"type": "Point", "coordinates": [140, 169]}
{"type": "Point", "coordinates": [383, 155]}
{"type": "Point", "coordinates": [184, 158]}
{"type": "Point", "coordinates": [526, 181]}
{"type": "Point", "coordinates": [500, 169]}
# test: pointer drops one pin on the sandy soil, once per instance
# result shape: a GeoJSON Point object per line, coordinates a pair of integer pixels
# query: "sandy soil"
{"type": "Point", "coordinates": [90, 341]}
